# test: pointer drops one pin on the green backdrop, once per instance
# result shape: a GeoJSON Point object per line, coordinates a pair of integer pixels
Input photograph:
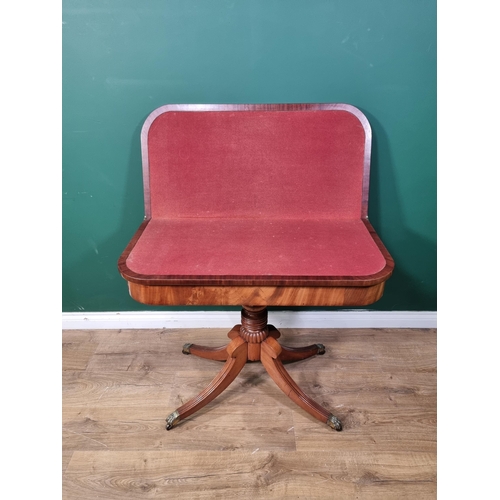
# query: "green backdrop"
{"type": "Point", "coordinates": [124, 58]}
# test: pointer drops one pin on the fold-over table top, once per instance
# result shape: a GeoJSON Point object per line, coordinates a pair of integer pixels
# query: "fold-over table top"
{"type": "Point", "coordinates": [255, 191]}
{"type": "Point", "coordinates": [250, 247]}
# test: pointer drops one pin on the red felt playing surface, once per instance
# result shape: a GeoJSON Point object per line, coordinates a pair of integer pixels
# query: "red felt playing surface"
{"type": "Point", "coordinates": [270, 247]}
{"type": "Point", "coordinates": [256, 193]}
{"type": "Point", "coordinates": [256, 164]}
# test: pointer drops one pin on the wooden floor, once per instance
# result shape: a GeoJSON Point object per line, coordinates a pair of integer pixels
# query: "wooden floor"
{"type": "Point", "coordinates": [251, 442]}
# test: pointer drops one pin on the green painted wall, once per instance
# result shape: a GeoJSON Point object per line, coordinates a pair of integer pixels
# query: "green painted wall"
{"type": "Point", "coordinates": [124, 58]}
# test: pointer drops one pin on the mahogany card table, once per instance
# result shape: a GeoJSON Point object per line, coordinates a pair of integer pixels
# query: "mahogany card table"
{"type": "Point", "coordinates": [256, 205]}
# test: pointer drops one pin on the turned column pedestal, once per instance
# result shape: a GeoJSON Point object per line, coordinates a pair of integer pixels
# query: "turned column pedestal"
{"type": "Point", "coordinates": [254, 340]}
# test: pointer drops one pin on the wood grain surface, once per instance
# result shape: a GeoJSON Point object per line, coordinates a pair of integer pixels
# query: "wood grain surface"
{"type": "Point", "coordinates": [252, 441]}
{"type": "Point", "coordinates": [256, 295]}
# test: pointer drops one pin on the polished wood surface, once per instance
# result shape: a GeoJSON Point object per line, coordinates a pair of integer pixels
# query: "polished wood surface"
{"type": "Point", "coordinates": [237, 355]}
{"type": "Point", "coordinates": [257, 296]}
{"type": "Point", "coordinates": [288, 354]}
{"type": "Point", "coordinates": [270, 357]}
{"type": "Point", "coordinates": [253, 441]}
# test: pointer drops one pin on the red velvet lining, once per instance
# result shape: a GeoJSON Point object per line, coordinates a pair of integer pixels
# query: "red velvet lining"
{"type": "Point", "coordinates": [250, 247]}
{"type": "Point", "coordinates": [271, 164]}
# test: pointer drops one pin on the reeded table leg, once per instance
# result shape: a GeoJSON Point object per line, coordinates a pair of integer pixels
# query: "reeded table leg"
{"type": "Point", "coordinates": [213, 353]}
{"type": "Point", "coordinates": [237, 357]}
{"type": "Point", "coordinates": [299, 353]}
{"type": "Point", "coordinates": [254, 340]}
{"type": "Point", "coordinates": [270, 358]}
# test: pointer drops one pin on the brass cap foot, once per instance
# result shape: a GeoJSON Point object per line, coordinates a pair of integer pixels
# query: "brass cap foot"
{"type": "Point", "coordinates": [321, 348]}
{"type": "Point", "coordinates": [172, 420]}
{"type": "Point", "coordinates": [186, 348]}
{"type": "Point", "coordinates": [334, 423]}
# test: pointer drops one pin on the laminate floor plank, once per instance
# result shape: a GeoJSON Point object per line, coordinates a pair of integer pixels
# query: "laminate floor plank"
{"type": "Point", "coordinates": [235, 474]}
{"type": "Point", "coordinates": [77, 355]}
{"type": "Point", "coordinates": [65, 458]}
{"type": "Point", "coordinates": [252, 441]}
{"type": "Point", "coordinates": [115, 388]}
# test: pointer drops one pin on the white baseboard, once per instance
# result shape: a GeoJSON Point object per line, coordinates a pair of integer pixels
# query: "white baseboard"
{"type": "Point", "coordinates": [227, 319]}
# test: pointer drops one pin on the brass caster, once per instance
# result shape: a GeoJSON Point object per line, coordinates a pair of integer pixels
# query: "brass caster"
{"type": "Point", "coordinates": [172, 420]}
{"type": "Point", "coordinates": [321, 349]}
{"type": "Point", "coordinates": [334, 423]}
{"type": "Point", "coordinates": [186, 348]}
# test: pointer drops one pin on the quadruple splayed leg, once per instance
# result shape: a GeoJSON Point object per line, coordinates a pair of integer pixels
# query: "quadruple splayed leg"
{"type": "Point", "coordinates": [254, 340]}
